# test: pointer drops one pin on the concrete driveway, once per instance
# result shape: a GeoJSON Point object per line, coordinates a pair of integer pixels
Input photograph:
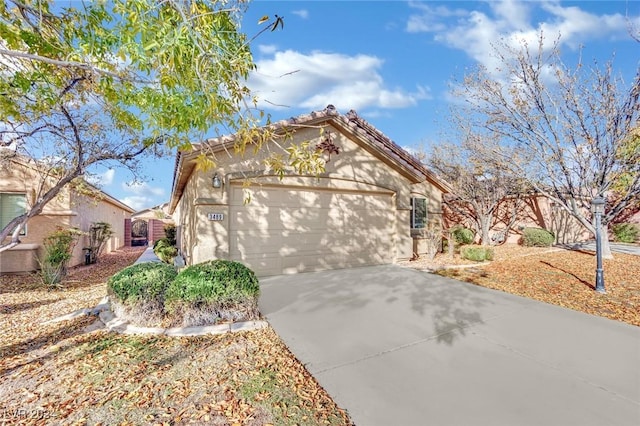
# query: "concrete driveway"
{"type": "Point", "coordinates": [396, 346]}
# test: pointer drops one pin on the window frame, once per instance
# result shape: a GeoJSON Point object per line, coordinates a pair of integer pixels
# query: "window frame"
{"type": "Point", "coordinates": [23, 232]}
{"type": "Point", "coordinates": [425, 216]}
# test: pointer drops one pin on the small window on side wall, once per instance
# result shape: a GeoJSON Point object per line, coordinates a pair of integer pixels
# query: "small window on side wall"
{"type": "Point", "coordinates": [418, 213]}
{"type": "Point", "coordinates": [12, 205]}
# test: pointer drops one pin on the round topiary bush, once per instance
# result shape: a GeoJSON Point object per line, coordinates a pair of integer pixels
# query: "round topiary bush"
{"type": "Point", "coordinates": [463, 235]}
{"type": "Point", "coordinates": [165, 250]}
{"type": "Point", "coordinates": [537, 237]}
{"type": "Point", "coordinates": [212, 291]}
{"type": "Point", "coordinates": [476, 253]}
{"type": "Point", "coordinates": [137, 292]}
{"type": "Point", "coordinates": [626, 232]}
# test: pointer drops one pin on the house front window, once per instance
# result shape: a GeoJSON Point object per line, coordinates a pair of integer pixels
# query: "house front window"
{"type": "Point", "coordinates": [11, 206]}
{"type": "Point", "coordinates": [418, 213]}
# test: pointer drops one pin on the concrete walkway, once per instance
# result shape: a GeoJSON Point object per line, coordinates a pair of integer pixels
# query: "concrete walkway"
{"type": "Point", "coordinates": [147, 256]}
{"type": "Point", "coordinates": [396, 346]}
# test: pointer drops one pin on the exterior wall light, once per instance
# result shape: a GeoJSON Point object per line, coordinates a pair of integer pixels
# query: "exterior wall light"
{"type": "Point", "coordinates": [216, 182]}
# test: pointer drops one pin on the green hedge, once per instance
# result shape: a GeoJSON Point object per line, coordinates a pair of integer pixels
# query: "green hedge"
{"type": "Point", "coordinates": [170, 231]}
{"type": "Point", "coordinates": [537, 237]}
{"type": "Point", "coordinates": [152, 293]}
{"type": "Point", "coordinates": [208, 292]}
{"type": "Point", "coordinates": [165, 250]}
{"type": "Point", "coordinates": [463, 235]}
{"type": "Point", "coordinates": [162, 242]}
{"type": "Point", "coordinates": [214, 281]}
{"type": "Point", "coordinates": [142, 282]}
{"type": "Point", "coordinates": [476, 253]}
{"type": "Point", "coordinates": [626, 232]}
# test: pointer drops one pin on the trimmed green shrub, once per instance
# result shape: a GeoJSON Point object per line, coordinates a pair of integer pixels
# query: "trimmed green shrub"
{"type": "Point", "coordinates": [476, 253]}
{"type": "Point", "coordinates": [463, 235]}
{"type": "Point", "coordinates": [170, 233]}
{"type": "Point", "coordinates": [58, 250]}
{"type": "Point", "coordinates": [626, 232]}
{"type": "Point", "coordinates": [166, 253]}
{"type": "Point", "coordinates": [537, 237]}
{"type": "Point", "coordinates": [161, 242]}
{"type": "Point", "coordinates": [99, 234]}
{"type": "Point", "coordinates": [137, 292]}
{"type": "Point", "coordinates": [211, 291]}
{"type": "Point", "coordinates": [165, 250]}
{"type": "Point", "coordinates": [141, 282]}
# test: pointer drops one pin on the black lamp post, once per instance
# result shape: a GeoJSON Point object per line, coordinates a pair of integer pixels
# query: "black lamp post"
{"type": "Point", "coordinates": [597, 208]}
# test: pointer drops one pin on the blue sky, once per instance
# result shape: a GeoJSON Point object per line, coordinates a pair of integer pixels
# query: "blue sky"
{"type": "Point", "coordinates": [394, 61]}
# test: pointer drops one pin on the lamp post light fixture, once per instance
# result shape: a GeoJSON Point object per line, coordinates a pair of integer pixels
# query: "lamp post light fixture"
{"type": "Point", "coordinates": [216, 182]}
{"type": "Point", "coordinates": [597, 208]}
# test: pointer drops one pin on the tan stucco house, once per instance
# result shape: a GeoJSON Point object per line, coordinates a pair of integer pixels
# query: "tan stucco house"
{"type": "Point", "coordinates": [360, 211]}
{"type": "Point", "coordinates": [19, 183]}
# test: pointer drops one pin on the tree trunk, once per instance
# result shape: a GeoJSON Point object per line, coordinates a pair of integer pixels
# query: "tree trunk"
{"type": "Point", "coordinates": [485, 224]}
{"type": "Point", "coordinates": [606, 246]}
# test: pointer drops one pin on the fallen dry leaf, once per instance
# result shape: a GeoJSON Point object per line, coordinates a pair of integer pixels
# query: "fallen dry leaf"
{"type": "Point", "coordinates": [57, 374]}
{"type": "Point", "coordinates": [565, 278]}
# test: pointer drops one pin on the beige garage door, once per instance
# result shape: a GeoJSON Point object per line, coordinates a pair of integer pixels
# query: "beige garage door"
{"type": "Point", "coordinates": [285, 230]}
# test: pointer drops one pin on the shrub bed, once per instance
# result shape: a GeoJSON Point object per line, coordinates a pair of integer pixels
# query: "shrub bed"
{"type": "Point", "coordinates": [626, 232]}
{"type": "Point", "coordinates": [463, 235]}
{"type": "Point", "coordinates": [477, 253]}
{"type": "Point", "coordinates": [212, 291]}
{"type": "Point", "coordinates": [537, 237]}
{"type": "Point", "coordinates": [165, 250]}
{"type": "Point", "coordinates": [137, 292]}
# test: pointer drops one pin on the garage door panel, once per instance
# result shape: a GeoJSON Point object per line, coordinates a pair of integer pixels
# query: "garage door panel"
{"type": "Point", "coordinates": [286, 218]}
{"type": "Point", "coordinates": [247, 242]}
{"type": "Point", "coordinates": [286, 230]}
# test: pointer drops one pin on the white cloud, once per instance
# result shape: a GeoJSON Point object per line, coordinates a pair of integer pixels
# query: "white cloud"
{"type": "Point", "coordinates": [303, 13]}
{"type": "Point", "coordinates": [139, 188]}
{"type": "Point", "coordinates": [429, 20]}
{"type": "Point", "coordinates": [267, 49]}
{"type": "Point", "coordinates": [512, 21]}
{"type": "Point", "coordinates": [107, 177]}
{"type": "Point", "coordinates": [138, 202]}
{"type": "Point", "coordinates": [101, 179]}
{"type": "Point", "coordinates": [144, 195]}
{"type": "Point", "coordinates": [514, 12]}
{"type": "Point", "coordinates": [312, 81]}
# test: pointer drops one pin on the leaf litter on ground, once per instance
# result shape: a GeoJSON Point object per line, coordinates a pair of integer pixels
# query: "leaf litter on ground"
{"type": "Point", "coordinates": [57, 373]}
{"type": "Point", "coordinates": [562, 277]}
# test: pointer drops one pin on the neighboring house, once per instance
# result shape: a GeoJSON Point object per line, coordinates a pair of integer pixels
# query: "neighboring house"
{"type": "Point", "coordinates": [147, 226]}
{"type": "Point", "coordinates": [18, 186]}
{"type": "Point", "coordinates": [535, 211]}
{"type": "Point", "coordinates": [359, 212]}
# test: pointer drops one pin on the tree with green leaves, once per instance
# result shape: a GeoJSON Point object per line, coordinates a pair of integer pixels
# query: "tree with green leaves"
{"type": "Point", "coordinates": [107, 81]}
{"type": "Point", "coordinates": [568, 130]}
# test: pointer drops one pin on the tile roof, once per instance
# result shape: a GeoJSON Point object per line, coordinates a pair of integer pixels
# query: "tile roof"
{"type": "Point", "coordinates": [350, 122]}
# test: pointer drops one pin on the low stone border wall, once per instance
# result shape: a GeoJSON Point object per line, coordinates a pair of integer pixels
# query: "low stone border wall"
{"type": "Point", "coordinates": [118, 325]}
{"type": "Point", "coordinates": [106, 319]}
